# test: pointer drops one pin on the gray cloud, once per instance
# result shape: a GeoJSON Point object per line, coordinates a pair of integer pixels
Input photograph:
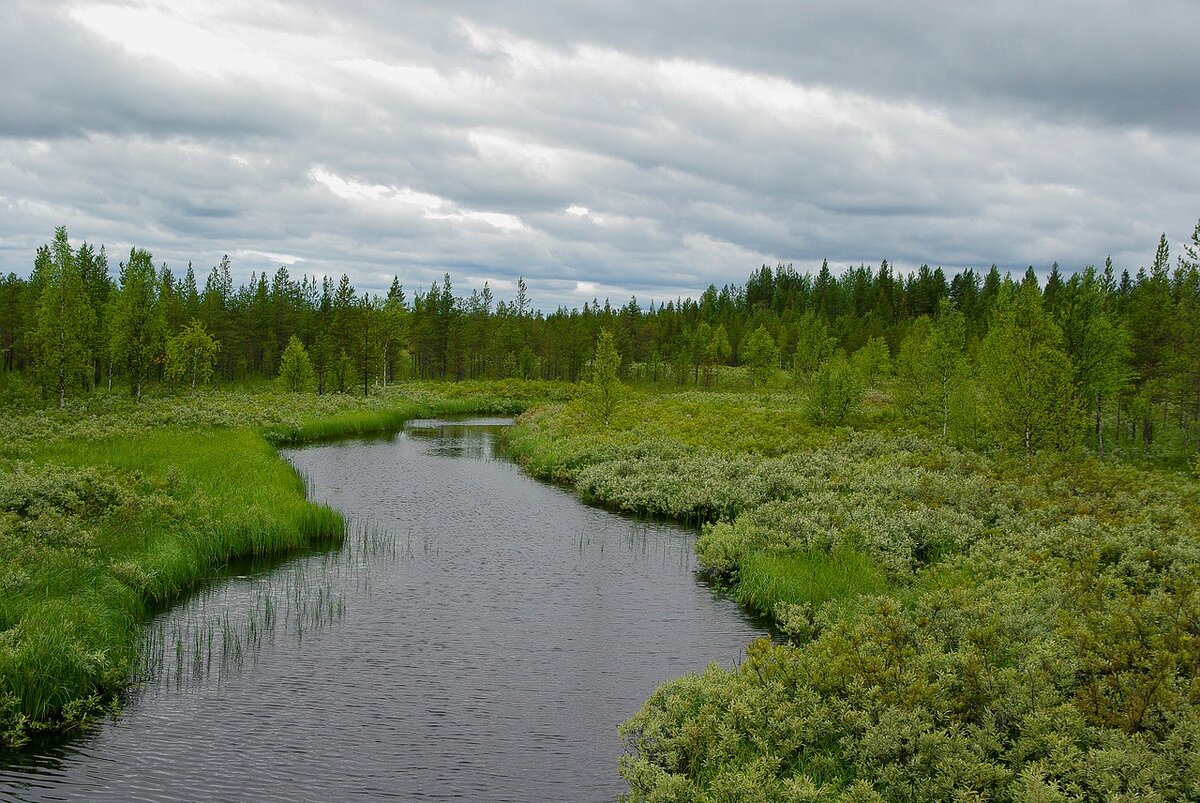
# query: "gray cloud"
{"type": "Point", "coordinates": [616, 149]}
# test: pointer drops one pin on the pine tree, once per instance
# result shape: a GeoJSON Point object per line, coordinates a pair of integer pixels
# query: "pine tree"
{"type": "Point", "coordinates": [1097, 345]}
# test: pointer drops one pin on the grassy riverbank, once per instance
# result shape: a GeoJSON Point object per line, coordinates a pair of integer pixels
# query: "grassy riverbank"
{"type": "Point", "coordinates": [961, 625]}
{"type": "Point", "coordinates": [108, 508]}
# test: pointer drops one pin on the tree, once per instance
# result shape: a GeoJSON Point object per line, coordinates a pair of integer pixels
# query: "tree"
{"type": "Point", "coordinates": [1027, 376]}
{"type": "Point", "coordinates": [295, 368]}
{"type": "Point", "coordinates": [98, 285]}
{"type": "Point", "coordinates": [604, 390]}
{"type": "Point", "coordinates": [65, 319]}
{"type": "Point", "coordinates": [364, 346]}
{"type": "Point", "coordinates": [760, 354]}
{"type": "Point", "coordinates": [930, 366]}
{"type": "Point", "coordinates": [192, 353]}
{"type": "Point", "coordinates": [718, 350]}
{"type": "Point", "coordinates": [137, 321]}
{"type": "Point", "coordinates": [813, 343]}
{"type": "Point", "coordinates": [391, 326]}
{"type": "Point", "coordinates": [701, 337]}
{"type": "Point", "coordinates": [836, 392]}
{"type": "Point", "coordinates": [873, 360]}
{"type": "Point", "coordinates": [1097, 346]}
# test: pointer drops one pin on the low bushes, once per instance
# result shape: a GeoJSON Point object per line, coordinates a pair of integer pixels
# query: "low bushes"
{"type": "Point", "coordinates": [960, 626]}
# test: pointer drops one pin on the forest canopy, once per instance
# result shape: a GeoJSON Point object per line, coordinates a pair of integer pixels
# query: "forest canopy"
{"type": "Point", "coordinates": [980, 357]}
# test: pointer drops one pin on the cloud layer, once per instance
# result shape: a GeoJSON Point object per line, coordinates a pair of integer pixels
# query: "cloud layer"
{"type": "Point", "coordinates": [618, 149]}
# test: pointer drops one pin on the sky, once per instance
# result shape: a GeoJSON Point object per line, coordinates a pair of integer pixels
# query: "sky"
{"type": "Point", "coordinates": [600, 148]}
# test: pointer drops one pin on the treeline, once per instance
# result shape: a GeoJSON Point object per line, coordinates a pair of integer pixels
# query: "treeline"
{"type": "Point", "coordinates": [1127, 344]}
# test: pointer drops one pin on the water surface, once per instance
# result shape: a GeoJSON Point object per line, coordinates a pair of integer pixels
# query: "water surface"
{"type": "Point", "coordinates": [479, 637]}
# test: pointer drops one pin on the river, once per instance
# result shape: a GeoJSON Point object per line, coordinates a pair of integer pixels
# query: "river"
{"type": "Point", "coordinates": [479, 637]}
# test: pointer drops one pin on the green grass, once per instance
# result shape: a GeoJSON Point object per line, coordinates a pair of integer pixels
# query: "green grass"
{"type": "Point", "coordinates": [170, 507]}
{"type": "Point", "coordinates": [814, 577]}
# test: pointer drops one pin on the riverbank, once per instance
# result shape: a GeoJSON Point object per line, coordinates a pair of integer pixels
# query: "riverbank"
{"type": "Point", "coordinates": [959, 623]}
{"type": "Point", "coordinates": [108, 508]}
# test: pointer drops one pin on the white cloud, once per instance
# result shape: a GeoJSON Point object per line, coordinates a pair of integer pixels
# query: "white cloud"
{"type": "Point", "coordinates": [281, 259]}
{"type": "Point", "coordinates": [403, 200]}
{"type": "Point", "coordinates": [181, 42]}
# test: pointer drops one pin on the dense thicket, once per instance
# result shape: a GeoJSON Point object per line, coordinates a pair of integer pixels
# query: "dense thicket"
{"type": "Point", "coordinates": [1022, 360]}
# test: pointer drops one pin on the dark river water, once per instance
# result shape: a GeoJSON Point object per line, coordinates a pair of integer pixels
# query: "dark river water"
{"type": "Point", "coordinates": [479, 637]}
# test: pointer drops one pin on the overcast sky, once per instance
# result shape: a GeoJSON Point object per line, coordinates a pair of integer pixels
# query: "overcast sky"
{"type": "Point", "coordinates": [599, 148]}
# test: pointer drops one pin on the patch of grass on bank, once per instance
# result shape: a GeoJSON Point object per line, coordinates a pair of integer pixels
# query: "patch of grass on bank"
{"type": "Point", "coordinates": [769, 579]}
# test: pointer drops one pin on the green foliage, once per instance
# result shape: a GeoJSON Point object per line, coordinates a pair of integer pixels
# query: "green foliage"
{"type": "Point", "coordinates": [1028, 378]}
{"type": "Point", "coordinates": [138, 325]}
{"type": "Point", "coordinates": [760, 354]}
{"type": "Point", "coordinates": [191, 355]}
{"type": "Point", "coordinates": [718, 352]}
{"type": "Point", "coordinates": [874, 361]}
{"type": "Point", "coordinates": [814, 345]}
{"type": "Point", "coordinates": [835, 394]}
{"type": "Point", "coordinates": [1130, 338]}
{"type": "Point", "coordinates": [604, 389]}
{"type": "Point", "coordinates": [95, 530]}
{"type": "Point", "coordinates": [295, 368]}
{"type": "Point", "coordinates": [64, 319]}
{"type": "Point", "coordinates": [767, 580]}
{"type": "Point", "coordinates": [1097, 346]}
{"type": "Point", "coordinates": [932, 369]}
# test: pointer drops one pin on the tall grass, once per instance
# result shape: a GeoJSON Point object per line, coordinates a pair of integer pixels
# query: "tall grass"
{"type": "Point", "coordinates": [193, 502]}
{"type": "Point", "coordinates": [812, 577]}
